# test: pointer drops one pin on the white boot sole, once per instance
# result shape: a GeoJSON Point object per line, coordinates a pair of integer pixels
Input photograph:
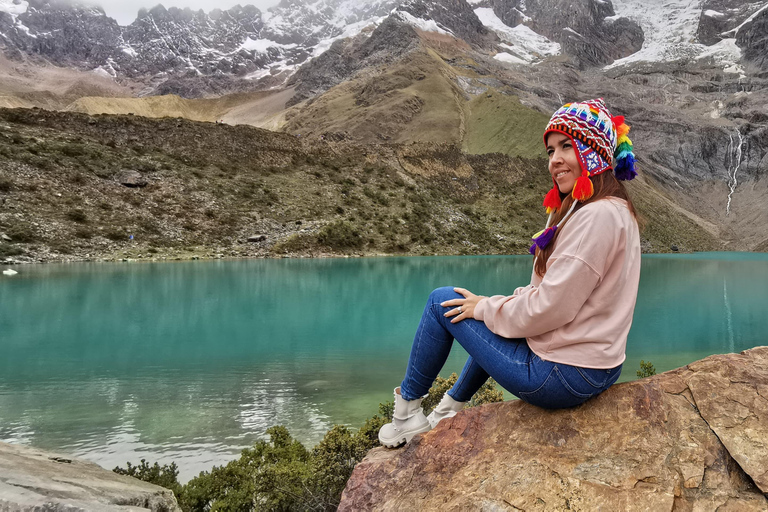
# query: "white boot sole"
{"type": "Point", "coordinates": [403, 438]}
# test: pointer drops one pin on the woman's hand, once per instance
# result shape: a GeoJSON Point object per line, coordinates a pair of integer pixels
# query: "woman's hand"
{"type": "Point", "coordinates": [465, 307]}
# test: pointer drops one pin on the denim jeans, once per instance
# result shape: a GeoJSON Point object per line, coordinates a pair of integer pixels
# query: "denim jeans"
{"type": "Point", "coordinates": [509, 361]}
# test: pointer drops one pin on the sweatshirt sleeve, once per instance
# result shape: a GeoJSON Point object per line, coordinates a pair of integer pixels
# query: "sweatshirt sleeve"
{"type": "Point", "coordinates": [567, 286]}
{"type": "Point", "coordinates": [575, 269]}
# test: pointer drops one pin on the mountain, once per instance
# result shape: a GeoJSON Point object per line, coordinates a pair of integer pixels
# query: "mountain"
{"type": "Point", "coordinates": [480, 75]}
{"type": "Point", "coordinates": [244, 42]}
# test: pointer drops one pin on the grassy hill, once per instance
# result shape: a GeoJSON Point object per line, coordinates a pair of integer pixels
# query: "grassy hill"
{"type": "Point", "coordinates": [210, 187]}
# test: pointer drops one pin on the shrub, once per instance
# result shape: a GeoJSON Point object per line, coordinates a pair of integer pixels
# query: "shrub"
{"type": "Point", "coordinates": [7, 250]}
{"type": "Point", "coordinates": [646, 369]}
{"type": "Point", "coordinates": [340, 235]}
{"type": "Point", "coordinates": [6, 184]}
{"type": "Point", "coordinates": [22, 232]}
{"type": "Point", "coordinates": [77, 215]}
{"type": "Point", "coordinates": [164, 476]}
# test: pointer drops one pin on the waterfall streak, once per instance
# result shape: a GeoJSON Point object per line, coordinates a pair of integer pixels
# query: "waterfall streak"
{"type": "Point", "coordinates": [729, 319]}
{"type": "Point", "coordinates": [734, 161]}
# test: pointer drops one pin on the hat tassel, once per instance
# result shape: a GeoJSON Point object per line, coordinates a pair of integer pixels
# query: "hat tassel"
{"type": "Point", "coordinates": [624, 157]}
{"type": "Point", "coordinates": [583, 189]}
{"type": "Point", "coordinates": [552, 200]}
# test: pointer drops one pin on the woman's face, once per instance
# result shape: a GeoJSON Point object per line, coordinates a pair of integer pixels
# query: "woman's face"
{"type": "Point", "coordinates": [563, 163]}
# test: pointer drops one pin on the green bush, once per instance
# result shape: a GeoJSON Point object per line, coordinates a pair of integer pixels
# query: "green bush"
{"type": "Point", "coordinates": [22, 232]}
{"type": "Point", "coordinates": [340, 235]}
{"type": "Point", "coordinates": [6, 184]}
{"type": "Point", "coordinates": [7, 250]}
{"type": "Point", "coordinates": [646, 369]}
{"type": "Point", "coordinates": [77, 215]}
{"type": "Point", "coordinates": [164, 476]}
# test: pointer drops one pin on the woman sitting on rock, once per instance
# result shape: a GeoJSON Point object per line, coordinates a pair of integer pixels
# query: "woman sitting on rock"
{"type": "Point", "coordinates": [560, 340]}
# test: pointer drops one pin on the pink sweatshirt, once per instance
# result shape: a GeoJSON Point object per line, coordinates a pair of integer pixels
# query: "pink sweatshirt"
{"type": "Point", "coordinates": [581, 311]}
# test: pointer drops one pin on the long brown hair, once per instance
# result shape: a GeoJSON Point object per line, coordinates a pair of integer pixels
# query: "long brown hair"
{"type": "Point", "coordinates": [606, 185]}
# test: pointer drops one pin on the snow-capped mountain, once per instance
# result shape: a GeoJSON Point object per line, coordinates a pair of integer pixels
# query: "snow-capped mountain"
{"type": "Point", "coordinates": [245, 42]}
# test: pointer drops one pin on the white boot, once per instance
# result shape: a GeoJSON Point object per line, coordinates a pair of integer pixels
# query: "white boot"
{"type": "Point", "coordinates": [447, 408]}
{"type": "Point", "coordinates": [407, 421]}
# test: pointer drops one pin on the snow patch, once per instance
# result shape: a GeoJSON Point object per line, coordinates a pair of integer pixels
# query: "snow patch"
{"type": "Point", "coordinates": [527, 45]}
{"type": "Point", "coordinates": [670, 29]}
{"type": "Point", "coordinates": [262, 45]}
{"type": "Point", "coordinates": [102, 72]}
{"type": "Point", "coordinates": [350, 31]}
{"type": "Point", "coordinates": [511, 59]}
{"type": "Point", "coordinates": [13, 8]}
{"type": "Point", "coordinates": [713, 14]}
{"type": "Point", "coordinates": [130, 51]}
{"type": "Point", "coordinates": [569, 29]}
{"type": "Point", "coordinates": [472, 2]}
{"type": "Point", "coordinates": [422, 24]}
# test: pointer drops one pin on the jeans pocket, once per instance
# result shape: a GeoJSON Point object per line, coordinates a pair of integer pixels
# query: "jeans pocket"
{"type": "Point", "coordinates": [598, 378]}
{"type": "Point", "coordinates": [554, 393]}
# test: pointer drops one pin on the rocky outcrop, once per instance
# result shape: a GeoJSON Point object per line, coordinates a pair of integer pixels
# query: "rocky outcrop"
{"type": "Point", "coordinates": [585, 29]}
{"type": "Point", "coordinates": [455, 16]}
{"type": "Point", "coordinates": [32, 479]}
{"type": "Point", "coordinates": [688, 439]}
{"type": "Point", "coordinates": [753, 39]}
{"type": "Point", "coordinates": [344, 58]}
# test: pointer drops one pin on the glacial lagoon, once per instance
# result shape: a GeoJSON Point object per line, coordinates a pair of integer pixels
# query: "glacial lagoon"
{"type": "Point", "coordinates": [192, 361]}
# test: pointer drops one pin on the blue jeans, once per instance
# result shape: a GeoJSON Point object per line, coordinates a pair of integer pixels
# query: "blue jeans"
{"type": "Point", "coordinates": [509, 361]}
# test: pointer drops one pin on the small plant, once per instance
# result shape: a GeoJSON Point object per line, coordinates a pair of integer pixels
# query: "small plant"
{"type": "Point", "coordinates": [340, 235]}
{"type": "Point", "coordinates": [77, 215]}
{"type": "Point", "coordinates": [164, 476]}
{"type": "Point", "coordinates": [646, 369]}
{"type": "Point", "coordinates": [6, 185]}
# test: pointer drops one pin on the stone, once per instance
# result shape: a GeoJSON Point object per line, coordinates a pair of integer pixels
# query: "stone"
{"type": "Point", "coordinates": [257, 238]}
{"type": "Point", "coordinates": [32, 479]}
{"type": "Point", "coordinates": [6, 238]}
{"type": "Point", "coordinates": [132, 179]}
{"type": "Point", "coordinates": [687, 439]}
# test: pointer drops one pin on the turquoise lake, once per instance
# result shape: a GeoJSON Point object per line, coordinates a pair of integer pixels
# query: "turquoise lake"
{"type": "Point", "coordinates": [192, 361]}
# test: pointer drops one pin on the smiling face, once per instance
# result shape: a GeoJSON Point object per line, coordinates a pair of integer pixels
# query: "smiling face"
{"type": "Point", "coordinates": [563, 162]}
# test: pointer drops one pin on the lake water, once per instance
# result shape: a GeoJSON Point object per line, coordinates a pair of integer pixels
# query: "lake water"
{"type": "Point", "coordinates": [192, 361]}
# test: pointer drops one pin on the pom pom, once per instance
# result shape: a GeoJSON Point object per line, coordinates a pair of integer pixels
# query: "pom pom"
{"type": "Point", "coordinates": [552, 199]}
{"type": "Point", "coordinates": [542, 239]}
{"type": "Point", "coordinates": [625, 168]}
{"type": "Point", "coordinates": [621, 140]}
{"type": "Point", "coordinates": [583, 189]}
{"type": "Point", "coordinates": [622, 130]}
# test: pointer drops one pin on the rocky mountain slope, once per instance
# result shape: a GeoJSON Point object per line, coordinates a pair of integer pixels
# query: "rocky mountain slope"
{"type": "Point", "coordinates": [482, 76]}
{"type": "Point", "coordinates": [74, 186]}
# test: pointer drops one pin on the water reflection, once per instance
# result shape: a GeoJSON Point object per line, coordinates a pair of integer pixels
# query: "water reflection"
{"type": "Point", "coordinates": [191, 362]}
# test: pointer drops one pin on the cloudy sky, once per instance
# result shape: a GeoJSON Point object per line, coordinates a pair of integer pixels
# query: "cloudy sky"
{"type": "Point", "coordinates": [124, 11]}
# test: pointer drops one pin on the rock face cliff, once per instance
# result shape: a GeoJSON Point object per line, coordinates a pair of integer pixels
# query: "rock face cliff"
{"type": "Point", "coordinates": [32, 479]}
{"type": "Point", "coordinates": [688, 439]}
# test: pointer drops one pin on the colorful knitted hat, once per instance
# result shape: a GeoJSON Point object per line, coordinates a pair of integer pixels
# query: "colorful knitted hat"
{"type": "Point", "coordinates": [601, 143]}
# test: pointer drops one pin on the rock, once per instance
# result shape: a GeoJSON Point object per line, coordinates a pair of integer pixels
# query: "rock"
{"type": "Point", "coordinates": [257, 238]}
{"type": "Point", "coordinates": [132, 179]}
{"type": "Point", "coordinates": [688, 439]}
{"type": "Point", "coordinates": [32, 479]}
{"type": "Point", "coordinates": [6, 238]}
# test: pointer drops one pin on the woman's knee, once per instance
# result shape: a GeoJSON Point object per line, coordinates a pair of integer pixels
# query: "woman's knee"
{"type": "Point", "coordinates": [442, 294]}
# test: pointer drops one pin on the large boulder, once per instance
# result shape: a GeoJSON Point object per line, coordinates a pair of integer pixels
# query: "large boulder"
{"type": "Point", "coordinates": [35, 480]}
{"type": "Point", "coordinates": [689, 439]}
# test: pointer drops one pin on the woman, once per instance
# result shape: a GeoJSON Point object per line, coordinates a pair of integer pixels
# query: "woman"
{"type": "Point", "coordinates": [560, 340]}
